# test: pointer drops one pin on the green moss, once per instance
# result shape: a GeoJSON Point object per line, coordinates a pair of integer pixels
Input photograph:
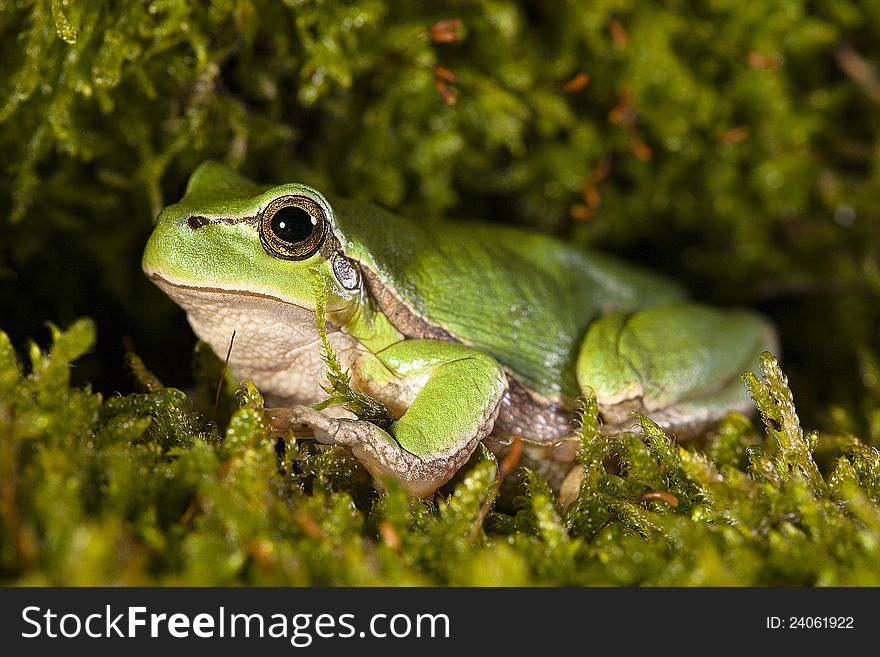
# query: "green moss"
{"type": "Point", "coordinates": [733, 146]}
{"type": "Point", "coordinates": [142, 489]}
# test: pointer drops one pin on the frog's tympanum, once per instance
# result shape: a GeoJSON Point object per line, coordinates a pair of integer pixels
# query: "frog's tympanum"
{"type": "Point", "coordinates": [465, 331]}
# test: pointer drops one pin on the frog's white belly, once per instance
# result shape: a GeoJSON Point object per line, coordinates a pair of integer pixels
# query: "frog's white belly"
{"type": "Point", "coordinates": [276, 343]}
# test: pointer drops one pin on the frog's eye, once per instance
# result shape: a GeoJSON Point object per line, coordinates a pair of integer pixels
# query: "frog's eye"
{"type": "Point", "coordinates": [292, 227]}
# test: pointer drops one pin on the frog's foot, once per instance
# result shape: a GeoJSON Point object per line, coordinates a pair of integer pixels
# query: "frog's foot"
{"type": "Point", "coordinates": [381, 454]}
{"type": "Point", "coordinates": [678, 364]}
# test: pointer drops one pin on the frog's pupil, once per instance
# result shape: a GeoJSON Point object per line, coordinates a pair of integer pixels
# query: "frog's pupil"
{"type": "Point", "coordinates": [293, 224]}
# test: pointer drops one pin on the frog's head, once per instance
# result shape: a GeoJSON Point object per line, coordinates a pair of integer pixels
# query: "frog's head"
{"type": "Point", "coordinates": [241, 256]}
{"type": "Point", "coordinates": [230, 234]}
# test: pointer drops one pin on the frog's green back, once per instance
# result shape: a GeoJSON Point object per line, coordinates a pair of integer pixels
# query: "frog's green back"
{"type": "Point", "coordinates": [525, 298]}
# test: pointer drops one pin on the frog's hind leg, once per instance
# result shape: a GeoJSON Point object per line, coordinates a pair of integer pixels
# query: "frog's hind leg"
{"type": "Point", "coordinates": [678, 364]}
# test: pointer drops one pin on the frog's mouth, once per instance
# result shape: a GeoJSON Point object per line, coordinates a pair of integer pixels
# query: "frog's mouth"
{"type": "Point", "coordinates": [181, 292]}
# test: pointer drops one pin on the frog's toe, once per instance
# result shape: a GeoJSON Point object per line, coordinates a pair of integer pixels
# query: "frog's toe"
{"type": "Point", "coordinates": [293, 417]}
{"type": "Point", "coordinates": [325, 429]}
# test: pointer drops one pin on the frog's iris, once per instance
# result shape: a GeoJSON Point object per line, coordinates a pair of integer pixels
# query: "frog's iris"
{"type": "Point", "coordinates": [292, 227]}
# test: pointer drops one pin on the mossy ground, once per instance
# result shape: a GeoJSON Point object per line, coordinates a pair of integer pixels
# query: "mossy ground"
{"type": "Point", "coordinates": [144, 489]}
{"type": "Point", "coordinates": [731, 145]}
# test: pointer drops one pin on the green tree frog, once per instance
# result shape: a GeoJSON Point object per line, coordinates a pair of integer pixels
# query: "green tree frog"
{"type": "Point", "coordinates": [465, 331]}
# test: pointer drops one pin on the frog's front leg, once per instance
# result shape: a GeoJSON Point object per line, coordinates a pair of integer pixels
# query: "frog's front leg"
{"type": "Point", "coordinates": [447, 397]}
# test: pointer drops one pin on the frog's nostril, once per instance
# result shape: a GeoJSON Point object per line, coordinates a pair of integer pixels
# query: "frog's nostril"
{"type": "Point", "coordinates": [197, 222]}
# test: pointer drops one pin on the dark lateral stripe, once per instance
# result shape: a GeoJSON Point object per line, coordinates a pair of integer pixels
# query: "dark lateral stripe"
{"type": "Point", "coordinates": [198, 221]}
